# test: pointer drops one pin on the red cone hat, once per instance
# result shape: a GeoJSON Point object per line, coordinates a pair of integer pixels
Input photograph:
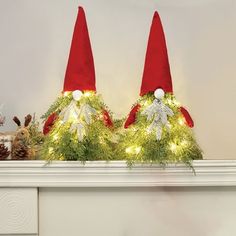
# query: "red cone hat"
{"type": "Point", "coordinates": [80, 72]}
{"type": "Point", "coordinates": [156, 72]}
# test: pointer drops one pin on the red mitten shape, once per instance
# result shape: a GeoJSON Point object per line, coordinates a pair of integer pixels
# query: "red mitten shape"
{"type": "Point", "coordinates": [49, 123]}
{"type": "Point", "coordinates": [107, 119]}
{"type": "Point", "coordinates": [132, 116]}
{"type": "Point", "coordinates": [187, 117]}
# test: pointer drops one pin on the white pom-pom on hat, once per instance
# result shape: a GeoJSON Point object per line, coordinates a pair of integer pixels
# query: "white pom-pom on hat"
{"type": "Point", "coordinates": [159, 93]}
{"type": "Point", "coordinates": [77, 95]}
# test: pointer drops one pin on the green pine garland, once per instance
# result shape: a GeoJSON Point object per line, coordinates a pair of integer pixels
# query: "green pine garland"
{"type": "Point", "coordinates": [63, 144]}
{"type": "Point", "coordinates": [176, 145]}
{"type": "Point", "coordinates": [135, 144]}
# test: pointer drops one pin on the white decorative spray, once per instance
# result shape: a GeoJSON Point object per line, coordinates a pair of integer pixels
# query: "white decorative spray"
{"type": "Point", "coordinates": [80, 116]}
{"type": "Point", "coordinates": [158, 112]}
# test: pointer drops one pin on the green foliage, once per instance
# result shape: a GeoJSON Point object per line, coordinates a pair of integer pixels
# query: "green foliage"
{"type": "Point", "coordinates": [63, 144]}
{"type": "Point", "coordinates": [36, 139]}
{"type": "Point", "coordinates": [58, 105]}
{"type": "Point", "coordinates": [135, 144]}
{"type": "Point", "coordinates": [176, 145]}
{"type": "Point", "coordinates": [36, 136]}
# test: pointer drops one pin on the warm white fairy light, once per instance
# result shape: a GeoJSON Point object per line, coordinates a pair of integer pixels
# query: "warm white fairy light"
{"type": "Point", "coordinates": [137, 150]}
{"type": "Point", "coordinates": [148, 131]}
{"type": "Point", "coordinates": [61, 122]}
{"type": "Point", "coordinates": [176, 103]}
{"type": "Point", "coordinates": [55, 137]}
{"type": "Point", "coordinates": [128, 150]}
{"type": "Point", "coordinates": [50, 150]}
{"type": "Point", "coordinates": [88, 94]}
{"type": "Point", "coordinates": [177, 147]}
{"type": "Point", "coordinates": [181, 121]}
{"type": "Point", "coordinates": [66, 94]}
{"type": "Point", "coordinates": [133, 149]}
{"type": "Point", "coordinates": [169, 101]}
{"type": "Point", "coordinates": [184, 143]}
{"type": "Point", "coordinates": [101, 140]}
{"type": "Point", "coordinates": [145, 103]}
{"type": "Point", "coordinates": [173, 147]}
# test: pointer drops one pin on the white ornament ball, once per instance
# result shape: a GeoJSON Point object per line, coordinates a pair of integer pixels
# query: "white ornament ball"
{"type": "Point", "coordinates": [159, 93]}
{"type": "Point", "coordinates": [77, 95]}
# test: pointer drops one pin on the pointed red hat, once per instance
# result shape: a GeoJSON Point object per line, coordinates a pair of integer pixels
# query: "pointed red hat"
{"type": "Point", "coordinates": [156, 73]}
{"type": "Point", "coordinates": [80, 72]}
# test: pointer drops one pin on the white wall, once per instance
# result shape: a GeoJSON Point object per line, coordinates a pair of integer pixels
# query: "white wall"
{"type": "Point", "coordinates": [35, 39]}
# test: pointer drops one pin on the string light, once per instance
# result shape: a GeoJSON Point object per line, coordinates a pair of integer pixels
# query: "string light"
{"type": "Point", "coordinates": [137, 150]}
{"type": "Point", "coordinates": [88, 94]}
{"type": "Point", "coordinates": [174, 101]}
{"type": "Point", "coordinates": [66, 94]}
{"type": "Point", "coordinates": [50, 150]}
{"type": "Point", "coordinates": [55, 137]}
{"type": "Point", "coordinates": [128, 150]}
{"type": "Point", "coordinates": [145, 103]}
{"type": "Point", "coordinates": [133, 149]}
{"type": "Point", "coordinates": [61, 122]}
{"type": "Point", "coordinates": [184, 143]}
{"type": "Point", "coordinates": [148, 131]}
{"type": "Point", "coordinates": [169, 101]}
{"type": "Point", "coordinates": [181, 121]}
{"type": "Point", "coordinates": [173, 147]}
{"type": "Point", "coordinates": [101, 140]}
{"type": "Point", "coordinates": [134, 129]}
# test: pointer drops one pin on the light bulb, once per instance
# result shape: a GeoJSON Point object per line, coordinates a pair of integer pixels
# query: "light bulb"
{"type": "Point", "coordinates": [128, 150]}
{"type": "Point", "coordinates": [184, 143]}
{"type": "Point", "coordinates": [66, 94]}
{"type": "Point", "coordinates": [133, 149]}
{"type": "Point", "coordinates": [144, 103]}
{"type": "Point", "coordinates": [173, 147]}
{"type": "Point", "coordinates": [181, 121]}
{"type": "Point", "coordinates": [137, 150]}
{"type": "Point", "coordinates": [50, 150]}
{"type": "Point", "coordinates": [55, 137]}
{"type": "Point", "coordinates": [169, 101]}
{"type": "Point", "coordinates": [88, 94]}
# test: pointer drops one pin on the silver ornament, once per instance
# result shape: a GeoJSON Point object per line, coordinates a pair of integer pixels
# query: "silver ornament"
{"type": "Point", "coordinates": [81, 116]}
{"type": "Point", "coordinates": [158, 112]}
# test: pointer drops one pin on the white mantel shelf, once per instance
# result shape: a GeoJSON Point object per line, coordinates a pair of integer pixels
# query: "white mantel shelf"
{"type": "Point", "coordinates": [115, 174]}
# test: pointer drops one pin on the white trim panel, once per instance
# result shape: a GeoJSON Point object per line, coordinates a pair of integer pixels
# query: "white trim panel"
{"type": "Point", "coordinates": [115, 174]}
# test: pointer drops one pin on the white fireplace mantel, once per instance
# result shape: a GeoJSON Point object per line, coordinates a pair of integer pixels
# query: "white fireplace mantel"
{"type": "Point", "coordinates": [34, 193]}
{"type": "Point", "coordinates": [115, 174]}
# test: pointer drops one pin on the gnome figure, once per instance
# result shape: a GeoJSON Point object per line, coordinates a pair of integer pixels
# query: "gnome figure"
{"type": "Point", "coordinates": [79, 112]}
{"type": "Point", "coordinates": [156, 75]}
{"type": "Point", "coordinates": [157, 127]}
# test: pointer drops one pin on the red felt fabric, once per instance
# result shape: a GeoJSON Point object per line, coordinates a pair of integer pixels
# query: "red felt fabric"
{"type": "Point", "coordinates": [156, 73]}
{"type": "Point", "coordinates": [80, 72]}
{"type": "Point", "coordinates": [132, 116]}
{"type": "Point", "coordinates": [187, 117]}
{"type": "Point", "coordinates": [49, 123]}
{"type": "Point", "coordinates": [107, 119]}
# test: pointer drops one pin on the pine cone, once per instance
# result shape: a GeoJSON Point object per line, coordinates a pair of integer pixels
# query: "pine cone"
{"type": "Point", "coordinates": [4, 152]}
{"type": "Point", "coordinates": [20, 152]}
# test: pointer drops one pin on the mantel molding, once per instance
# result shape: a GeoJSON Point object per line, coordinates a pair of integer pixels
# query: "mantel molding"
{"type": "Point", "coordinates": [115, 174]}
